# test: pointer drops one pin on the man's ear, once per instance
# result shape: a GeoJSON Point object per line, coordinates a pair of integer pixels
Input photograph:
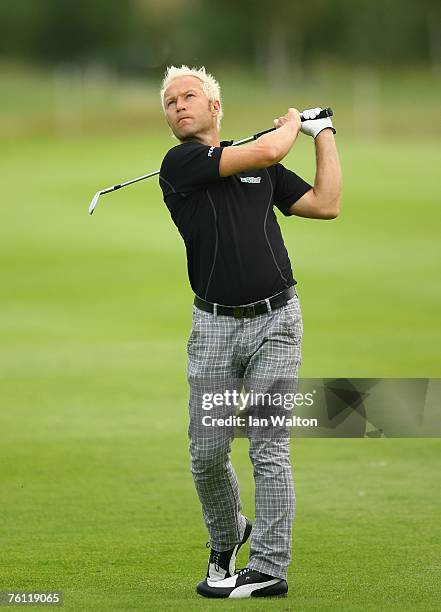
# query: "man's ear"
{"type": "Point", "coordinates": [215, 106]}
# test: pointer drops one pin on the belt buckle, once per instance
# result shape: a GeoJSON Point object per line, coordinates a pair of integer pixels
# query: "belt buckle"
{"type": "Point", "coordinates": [238, 312]}
{"type": "Point", "coordinates": [244, 312]}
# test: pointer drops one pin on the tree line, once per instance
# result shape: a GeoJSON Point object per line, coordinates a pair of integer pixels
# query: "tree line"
{"type": "Point", "coordinates": [145, 35]}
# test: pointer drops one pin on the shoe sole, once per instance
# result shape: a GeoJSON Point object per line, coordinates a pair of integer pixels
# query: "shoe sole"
{"type": "Point", "coordinates": [280, 589]}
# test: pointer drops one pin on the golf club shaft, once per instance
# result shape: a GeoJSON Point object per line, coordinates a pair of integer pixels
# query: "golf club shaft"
{"type": "Point", "coordinates": [326, 112]}
{"type": "Point", "coordinates": [135, 180]}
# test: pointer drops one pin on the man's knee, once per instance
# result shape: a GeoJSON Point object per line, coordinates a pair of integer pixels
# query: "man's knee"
{"type": "Point", "coordinates": [208, 458]}
{"type": "Point", "coordinates": [270, 456]}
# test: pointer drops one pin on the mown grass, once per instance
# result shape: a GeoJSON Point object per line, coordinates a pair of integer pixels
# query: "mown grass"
{"type": "Point", "coordinates": [97, 498]}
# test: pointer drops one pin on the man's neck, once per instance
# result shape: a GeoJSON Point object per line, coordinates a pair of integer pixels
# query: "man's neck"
{"type": "Point", "coordinates": [211, 139]}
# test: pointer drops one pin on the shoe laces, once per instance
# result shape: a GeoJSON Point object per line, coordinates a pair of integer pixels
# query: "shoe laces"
{"type": "Point", "coordinates": [214, 557]}
{"type": "Point", "coordinates": [244, 571]}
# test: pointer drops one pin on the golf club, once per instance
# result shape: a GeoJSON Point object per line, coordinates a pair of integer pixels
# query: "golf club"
{"type": "Point", "coordinates": [326, 112]}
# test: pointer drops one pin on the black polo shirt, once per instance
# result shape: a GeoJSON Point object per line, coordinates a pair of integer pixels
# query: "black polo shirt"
{"type": "Point", "coordinates": [235, 249]}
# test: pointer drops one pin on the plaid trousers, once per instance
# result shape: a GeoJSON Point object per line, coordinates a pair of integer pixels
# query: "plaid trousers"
{"type": "Point", "coordinates": [258, 353]}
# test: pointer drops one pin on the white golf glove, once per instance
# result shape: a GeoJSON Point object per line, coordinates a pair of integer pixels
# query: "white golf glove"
{"type": "Point", "coordinates": [315, 126]}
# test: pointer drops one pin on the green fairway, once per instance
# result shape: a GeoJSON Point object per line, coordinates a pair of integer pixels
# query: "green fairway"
{"type": "Point", "coordinates": [97, 498]}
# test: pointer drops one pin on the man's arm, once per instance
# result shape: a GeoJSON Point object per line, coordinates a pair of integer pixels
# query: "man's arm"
{"type": "Point", "coordinates": [267, 150]}
{"type": "Point", "coordinates": [323, 200]}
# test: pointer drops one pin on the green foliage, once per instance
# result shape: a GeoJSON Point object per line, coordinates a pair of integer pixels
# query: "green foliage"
{"type": "Point", "coordinates": [138, 35]}
{"type": "Point", "coordinates": [65, 30]}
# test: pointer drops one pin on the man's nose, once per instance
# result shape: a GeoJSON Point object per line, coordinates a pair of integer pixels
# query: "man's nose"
{"type": "Point", "coordinates": [180, 104]}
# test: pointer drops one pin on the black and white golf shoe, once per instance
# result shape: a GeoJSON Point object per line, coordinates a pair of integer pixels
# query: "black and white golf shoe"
{"type": "Point", "coordinates": [246, 583]}
{"type": "Point", "coordinates": [223, 564]}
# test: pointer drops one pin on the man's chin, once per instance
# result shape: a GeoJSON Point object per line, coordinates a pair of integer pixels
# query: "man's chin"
{"type": "Point", "coordinates": [184, 133]}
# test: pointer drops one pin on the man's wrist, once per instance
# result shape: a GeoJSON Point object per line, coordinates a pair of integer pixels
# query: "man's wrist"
{"type": "Point", "coordinates": [327, 131]}
{"type": "Point", "coordinates": [291, 126]}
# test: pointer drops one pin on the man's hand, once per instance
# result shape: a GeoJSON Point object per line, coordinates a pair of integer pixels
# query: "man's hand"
{"type": "Point", "coordinates": [315, 126]}
{"type": "Point", "coordinates": [292, 116]}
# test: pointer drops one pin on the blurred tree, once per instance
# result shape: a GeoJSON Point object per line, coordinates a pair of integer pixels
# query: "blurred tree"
{"type": "Point", "coordinates": [277, 40]}
{"type": "Point", "coordinates": [433, 17]}
{"type": "Point", "coordinates": [63, 30]}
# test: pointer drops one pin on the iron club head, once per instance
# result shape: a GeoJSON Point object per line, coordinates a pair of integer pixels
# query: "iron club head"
{"type": "Point", "coordinates": [94, 202]}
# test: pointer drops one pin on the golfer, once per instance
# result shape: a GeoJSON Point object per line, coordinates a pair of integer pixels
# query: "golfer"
{"type": "Point", "coordinates": [247, 323]}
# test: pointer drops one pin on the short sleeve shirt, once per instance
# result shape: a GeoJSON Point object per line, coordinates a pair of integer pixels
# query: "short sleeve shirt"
{"type": "Point", "coordinates": [235, 250]}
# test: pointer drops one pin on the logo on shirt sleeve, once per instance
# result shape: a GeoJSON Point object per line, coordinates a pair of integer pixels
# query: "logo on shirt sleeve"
{"type": "Point", "coordinates": [210, 151]}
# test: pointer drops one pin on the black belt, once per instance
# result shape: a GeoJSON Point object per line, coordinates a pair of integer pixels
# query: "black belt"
{"type": "Point", "coordinates": [250, 310]}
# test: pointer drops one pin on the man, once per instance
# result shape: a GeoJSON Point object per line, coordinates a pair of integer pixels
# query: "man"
{"type": "Point", "coordinates": [247, 325]}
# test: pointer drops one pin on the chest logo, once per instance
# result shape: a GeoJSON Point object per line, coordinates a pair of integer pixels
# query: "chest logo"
{"type": "Point", "coordinates": [250, 179]}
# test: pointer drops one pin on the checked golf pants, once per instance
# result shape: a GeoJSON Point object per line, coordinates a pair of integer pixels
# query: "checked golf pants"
{"type": "Point", "coordinates": [224, 352]}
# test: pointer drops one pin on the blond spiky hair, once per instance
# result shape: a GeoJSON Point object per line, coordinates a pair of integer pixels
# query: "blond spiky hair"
{"type": "Point", "coordinates": [209, 84]}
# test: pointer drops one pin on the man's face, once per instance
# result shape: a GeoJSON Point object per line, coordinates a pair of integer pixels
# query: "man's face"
{"type": "Point", "coordinates": [187, 108]}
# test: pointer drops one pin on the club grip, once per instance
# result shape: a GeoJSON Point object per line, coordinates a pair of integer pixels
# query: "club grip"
{"type": "Point", "coordinates": [326, 112]}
